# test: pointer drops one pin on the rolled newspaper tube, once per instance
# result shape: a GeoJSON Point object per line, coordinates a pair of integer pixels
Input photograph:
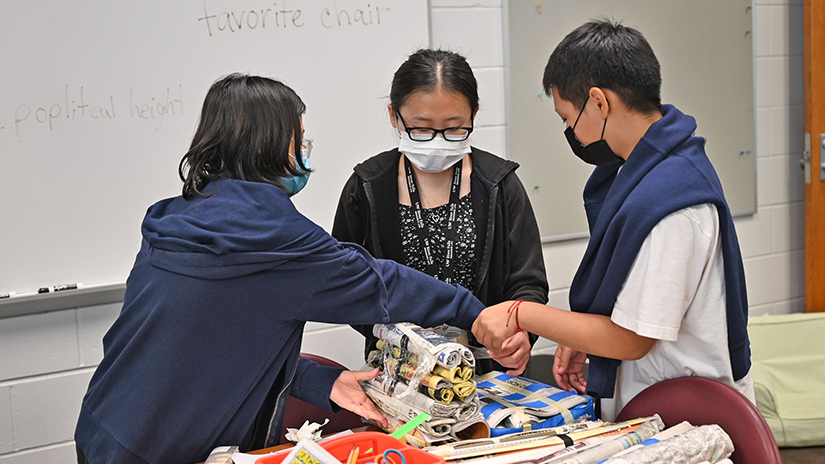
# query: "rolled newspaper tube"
{"type": "Point", "coordinates": [468, 410]}
{"type": "Point", "coordinates": [424, 402]}
{"type": "Point", "coordinates": [465, 372]}
{"type": "Point", "coordinates": [397, 352]}
{"type": "Point", "coordinates": [434, 427]}
{"type": "Point", "coordinates": [391, 349]}
{"type": "Point", "coordinates": [455, 374]}
{"type": "Point", "coordinates": [469, 358]}
{"type": "Point", "coordinates": [438, 427]}
{"type": "Point", "coordinates": [407, 371]}
{"type": "Point", "coordinates": [374, 359]}
{"type": "Point", "coordinates": [472, 428]}
{"type": "Point", "coordinates": [444, 395]}
{"type": "Point", "coordinates": [464, 389]}
{"type": "Point", "coordinates": [424, 342]}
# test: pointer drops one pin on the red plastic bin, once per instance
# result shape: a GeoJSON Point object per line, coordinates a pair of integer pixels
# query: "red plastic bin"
{"type": "Point", "coordinates": [370, 444]}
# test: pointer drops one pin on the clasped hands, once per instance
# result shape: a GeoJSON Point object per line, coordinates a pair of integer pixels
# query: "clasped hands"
{"type": "Point", "coordinates": [494, 328]}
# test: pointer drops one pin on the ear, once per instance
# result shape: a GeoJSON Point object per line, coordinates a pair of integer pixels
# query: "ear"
{"type": "Point", "coordinates": [392, 116]}
{"type": "Point", "coordinates": [600, 100]}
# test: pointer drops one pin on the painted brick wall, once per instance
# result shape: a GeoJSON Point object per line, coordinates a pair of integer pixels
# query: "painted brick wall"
{"type": "Point", "coordinates": [46, 360]}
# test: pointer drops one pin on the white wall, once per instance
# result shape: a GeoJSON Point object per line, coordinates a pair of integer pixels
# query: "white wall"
{"type": "Point", "coordinates": [46, 360]}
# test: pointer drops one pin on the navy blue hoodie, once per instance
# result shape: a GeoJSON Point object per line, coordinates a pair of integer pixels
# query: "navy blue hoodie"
{"type": "Point", "coordinates": [207, 344]}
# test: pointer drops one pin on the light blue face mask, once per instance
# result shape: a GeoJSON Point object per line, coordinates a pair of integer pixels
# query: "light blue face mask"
{"type": "Point", "coordinates": [294, 184]}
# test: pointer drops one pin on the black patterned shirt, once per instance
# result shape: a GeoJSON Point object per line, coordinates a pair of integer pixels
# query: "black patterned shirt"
{"type": "Point", "coordinates": [435, 219]}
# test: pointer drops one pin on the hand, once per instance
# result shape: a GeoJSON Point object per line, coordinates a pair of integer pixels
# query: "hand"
{"type": "Point", "coordinates": [515, 352]}
{"type": "Point", "coordinates": [568, 369]}
{"type": "Point", "coordinates": [490, 327]}
{"type": "Point", "coordinates": [347, 393]}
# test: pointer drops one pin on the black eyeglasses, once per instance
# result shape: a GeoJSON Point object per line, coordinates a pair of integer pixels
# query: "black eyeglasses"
{"type": "Point", "coordinates": [425, 134]}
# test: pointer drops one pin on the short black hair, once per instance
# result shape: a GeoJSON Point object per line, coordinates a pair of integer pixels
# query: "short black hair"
{"type": "Point", "coordinates": [245, 128]}
{"type": "Point", "coordinates": [607, 55]}
{"type": "Point", "coordinates": [429, 69]}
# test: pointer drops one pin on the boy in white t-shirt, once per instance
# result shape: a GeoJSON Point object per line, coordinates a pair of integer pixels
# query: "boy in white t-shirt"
{"type": "Point", "coordinates": [660, 292]}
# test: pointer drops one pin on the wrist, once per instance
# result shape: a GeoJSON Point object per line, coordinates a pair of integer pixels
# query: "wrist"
{"type": "Point", "coordinates": [512, 316]}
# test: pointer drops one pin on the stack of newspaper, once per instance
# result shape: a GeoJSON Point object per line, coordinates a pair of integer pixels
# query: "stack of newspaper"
{"type": "Point", "coordinates": [644, 440]}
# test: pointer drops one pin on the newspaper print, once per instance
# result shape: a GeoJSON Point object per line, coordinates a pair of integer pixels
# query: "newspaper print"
{"type": "Point", "coordinates": [703, 443]}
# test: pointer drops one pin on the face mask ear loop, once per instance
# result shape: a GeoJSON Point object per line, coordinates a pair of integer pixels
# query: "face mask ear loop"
{"type": "Point", "coordinates": [605, 121]}
{"type": "Point", "coordinates": [580, 113]}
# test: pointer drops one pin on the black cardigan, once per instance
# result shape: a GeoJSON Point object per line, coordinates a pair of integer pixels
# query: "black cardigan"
{"type": "Point", "coordinates": [509, 261]}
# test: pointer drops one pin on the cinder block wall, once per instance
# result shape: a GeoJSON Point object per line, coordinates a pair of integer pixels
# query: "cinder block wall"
{"type": "Point", "coordinates": [46, 360]}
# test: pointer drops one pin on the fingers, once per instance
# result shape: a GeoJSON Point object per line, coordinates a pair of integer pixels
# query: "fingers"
{"type": "Point", "coordinates": [561, 380]}
{"type": "Point", "coordinates": [561, 361]}
{"type": "Point", "coordinates": [490, 343]}
{"type": "Point", "coordinates": [517, 370]}
{"type": "Point", "coordinates": [348, 394]}
{"type": "Point", "coordinates": [558, 365]}
{"type": "Point", "coordinates": [365, 375]}
{"type": "Point", "coordinates": [371, 412]}
{"type": "Point", "coordinates": [488, 339]}
{"type": "Point", "coordinates": [510, 347]}
{"type": "Point", "coordinates": [578, 382]}
{"type": "Point", "coordinates": [514, 361]}
{"type": "Point", "coordinates": [515, 353]}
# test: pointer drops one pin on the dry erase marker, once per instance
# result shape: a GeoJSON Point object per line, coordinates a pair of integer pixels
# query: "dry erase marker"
{"type": "Point", "coordinates": [3, 296]}
{"type": "Point", "coordinates": [59, 288]}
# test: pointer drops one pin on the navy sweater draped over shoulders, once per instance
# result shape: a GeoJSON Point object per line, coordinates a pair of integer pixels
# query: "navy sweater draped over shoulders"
{"type": "Point", "coordinates": [667, 171]}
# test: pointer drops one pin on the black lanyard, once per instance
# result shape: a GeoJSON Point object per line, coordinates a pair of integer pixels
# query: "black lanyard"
{"type": "Point", "coordinates": [448, 269]}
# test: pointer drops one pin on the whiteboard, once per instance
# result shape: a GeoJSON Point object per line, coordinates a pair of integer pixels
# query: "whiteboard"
{"type": "Point", "coordinates": [100, 100]}
{"type": "Point", "coordinates": [705, 49]}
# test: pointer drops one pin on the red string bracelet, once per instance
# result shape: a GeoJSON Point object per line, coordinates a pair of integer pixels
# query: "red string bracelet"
{"type": "Point", "coordinates": [514, 309]}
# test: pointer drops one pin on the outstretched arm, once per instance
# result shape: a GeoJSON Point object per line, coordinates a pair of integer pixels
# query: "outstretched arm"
{"type": "Point", "coordinates": [589, 333]}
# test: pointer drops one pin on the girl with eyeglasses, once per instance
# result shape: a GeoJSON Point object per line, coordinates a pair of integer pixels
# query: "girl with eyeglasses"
{"type": "Point", "coordinates": [441, 206]}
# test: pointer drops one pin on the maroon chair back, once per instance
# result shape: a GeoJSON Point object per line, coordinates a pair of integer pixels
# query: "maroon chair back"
{"type": "Point", "coordinates": [298, 411]}
{"type": "Point", "coordinates": [703, 401]}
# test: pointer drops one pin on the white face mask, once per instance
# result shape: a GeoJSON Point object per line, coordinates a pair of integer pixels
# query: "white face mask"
{"type": "Point", "coordinates": [436, 155]}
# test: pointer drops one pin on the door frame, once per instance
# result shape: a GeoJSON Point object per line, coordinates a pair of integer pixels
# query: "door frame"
{"type": "Point", "coordinates": [814, 12]}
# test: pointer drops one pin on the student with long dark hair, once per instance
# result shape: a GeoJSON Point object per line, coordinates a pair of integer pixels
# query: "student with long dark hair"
{"type": "Point", "coordinates": [206, 348]}
{"type": "Point", "coordinates": [440, 205]}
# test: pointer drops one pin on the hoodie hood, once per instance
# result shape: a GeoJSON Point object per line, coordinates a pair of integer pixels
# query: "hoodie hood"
{"type": "Point", "coordinates": [238, 228]}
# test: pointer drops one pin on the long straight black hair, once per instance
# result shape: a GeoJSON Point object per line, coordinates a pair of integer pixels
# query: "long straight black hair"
{"type": "Point", "coordinates": [431, 69]}
{"type": "Point", "coordinates": [245, 129]}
